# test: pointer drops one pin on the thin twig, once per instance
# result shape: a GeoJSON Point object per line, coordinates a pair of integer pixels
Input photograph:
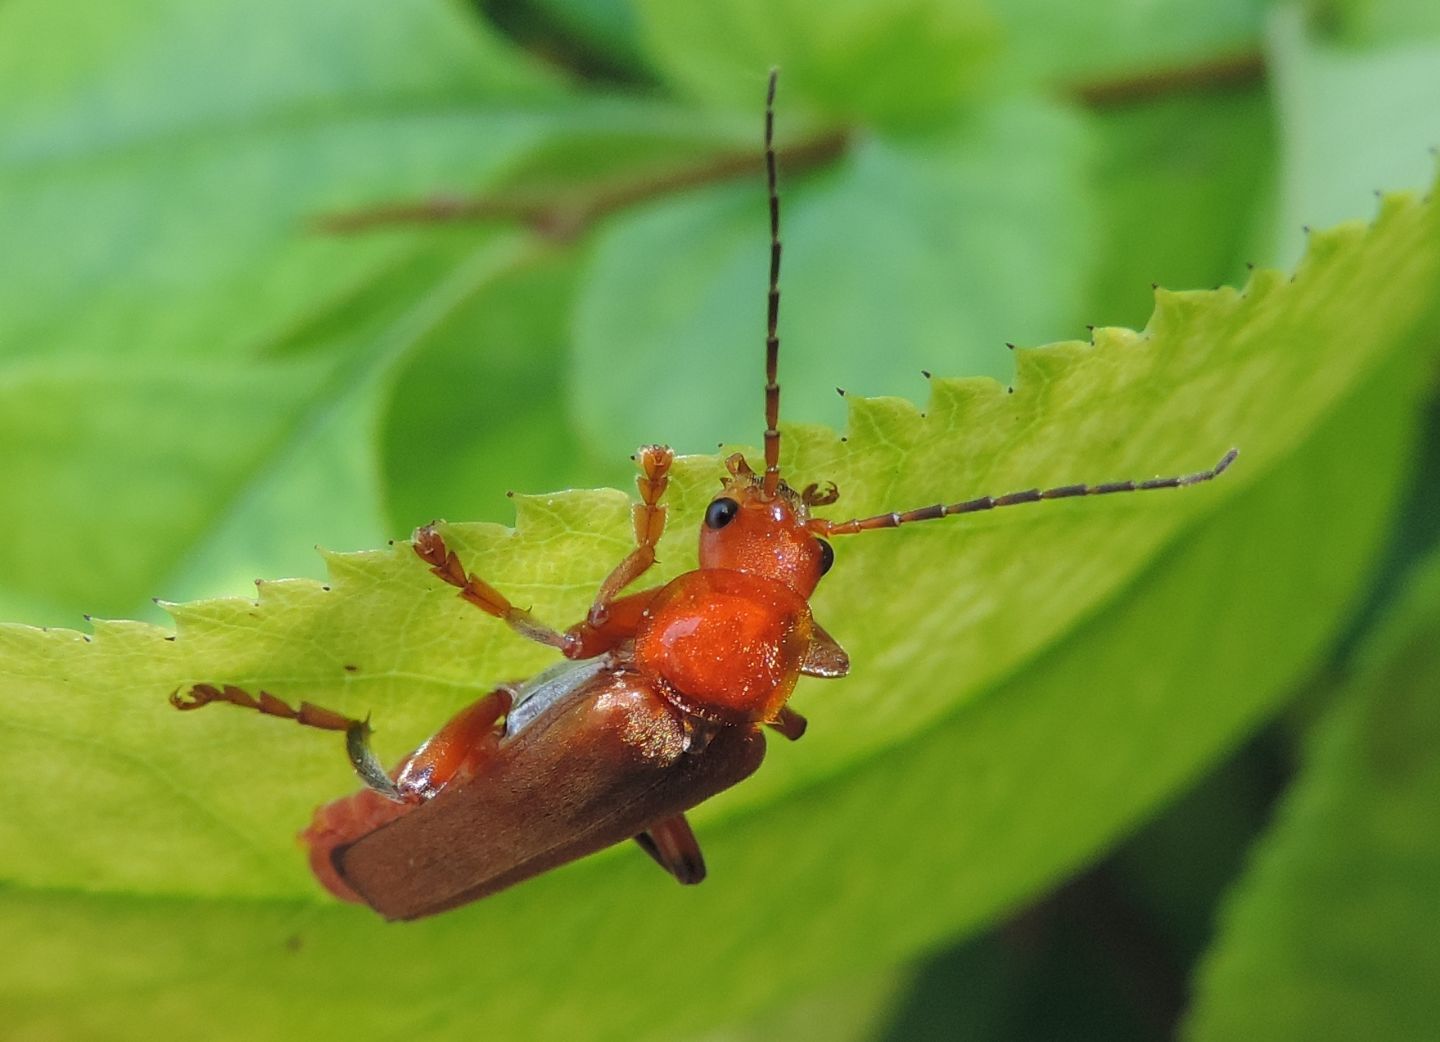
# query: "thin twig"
{"type": "Point", "coordinates": [1228, 72]}
{"type": "Point", "coordinates": [565, 217]}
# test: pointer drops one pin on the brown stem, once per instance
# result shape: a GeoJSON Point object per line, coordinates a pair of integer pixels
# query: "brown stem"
{"type": "Point", "coordinates": [565, 218]}
{"type": "Point", "coordinates": [1229, 71]}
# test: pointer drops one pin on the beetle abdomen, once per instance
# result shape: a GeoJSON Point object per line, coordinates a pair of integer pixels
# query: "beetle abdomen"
{"type": "Point", "coordinates": [598, 769]}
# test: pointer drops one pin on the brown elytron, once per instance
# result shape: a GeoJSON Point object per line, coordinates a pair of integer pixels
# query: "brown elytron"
{"type": "Point", "coordinates": [658, 705]}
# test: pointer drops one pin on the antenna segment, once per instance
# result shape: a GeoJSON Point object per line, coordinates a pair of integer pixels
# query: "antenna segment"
{"type": "Point", "coordinates": [772, 339]}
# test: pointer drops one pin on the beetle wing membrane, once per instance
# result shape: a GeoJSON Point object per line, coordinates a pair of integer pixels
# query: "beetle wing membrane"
{"type": "Point", "coordinates": [551, 689]}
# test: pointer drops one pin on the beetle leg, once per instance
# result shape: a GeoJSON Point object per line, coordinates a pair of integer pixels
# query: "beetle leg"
{"type": "Point", "coordinates": [602, 628]}
{"type": "Point", "coordinates": [675, 849]}
{"type": "Point", "coordinates": [357, 732]}
{"type": "Point", "coordinates": [583, 640]}
{"type": "Point", "coordinates": [789, 723]}
{"type": "Point", "coordinates": [649, 519]}
{"type": "Point", "coordinates": [453, 754]}
{"type": "Point", "coordinates": [443, 562]}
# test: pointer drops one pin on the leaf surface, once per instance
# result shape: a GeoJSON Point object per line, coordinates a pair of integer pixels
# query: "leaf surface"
{"type": "Point", "coordinates": [970, 707]}
{"type": "Point", "coordinates": [1331, 934]}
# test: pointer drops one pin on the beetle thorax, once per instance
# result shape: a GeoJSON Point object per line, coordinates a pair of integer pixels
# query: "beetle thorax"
{"type": "Point", "coordinates": [726, 645]}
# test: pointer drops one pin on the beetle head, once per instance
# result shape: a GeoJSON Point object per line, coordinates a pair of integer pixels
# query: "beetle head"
{"type": "Point", "coordinates": [747, 529]}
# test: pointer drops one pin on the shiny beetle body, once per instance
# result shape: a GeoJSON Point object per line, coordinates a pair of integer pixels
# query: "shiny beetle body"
{"type": "Point", "coordinates": [601, 762]}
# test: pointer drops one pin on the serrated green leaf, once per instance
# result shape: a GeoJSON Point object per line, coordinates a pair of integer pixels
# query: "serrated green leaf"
{"type": "Point", "coordinates": [853, 1011]}
{"type": "Point", "coordinates": [1331, 933]}
{"type": "Point", "coordinates": [1117, 643]}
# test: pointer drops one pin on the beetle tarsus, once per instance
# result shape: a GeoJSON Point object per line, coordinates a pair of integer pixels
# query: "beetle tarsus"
{"type": "Point", "coordinates": [445, 564]}
{"type": "Point", "coordinates": [648, 518]}
{"type": "Point", "coordinates": [308, 715]}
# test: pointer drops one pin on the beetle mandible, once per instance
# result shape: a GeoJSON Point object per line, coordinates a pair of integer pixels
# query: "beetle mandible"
{"type": "Point", "coordinates": [657, 706]}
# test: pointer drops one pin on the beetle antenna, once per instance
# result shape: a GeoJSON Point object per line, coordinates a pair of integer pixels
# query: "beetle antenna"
{"type": "Point", "coordinates": [772, 339]}
{"type": "Point", "coordinates": [861, 524]}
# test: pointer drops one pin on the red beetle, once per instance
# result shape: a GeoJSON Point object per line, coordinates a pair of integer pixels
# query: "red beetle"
{"type": "Point", "coordinates": [658, 706]}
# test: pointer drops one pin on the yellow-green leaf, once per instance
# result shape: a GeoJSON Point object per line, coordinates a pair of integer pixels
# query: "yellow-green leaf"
{"type": "Point", "coordinates": [1026, 683]}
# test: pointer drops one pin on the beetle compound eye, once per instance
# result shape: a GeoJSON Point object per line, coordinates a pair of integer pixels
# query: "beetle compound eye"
{"type": "Point", "coordinates": [827, 556]}
{"type": "Point", "coordinates": [721, 513]}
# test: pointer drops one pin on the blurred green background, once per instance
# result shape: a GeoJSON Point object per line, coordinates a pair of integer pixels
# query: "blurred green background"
{"type": "Point", "coordinates": [229, 332]}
